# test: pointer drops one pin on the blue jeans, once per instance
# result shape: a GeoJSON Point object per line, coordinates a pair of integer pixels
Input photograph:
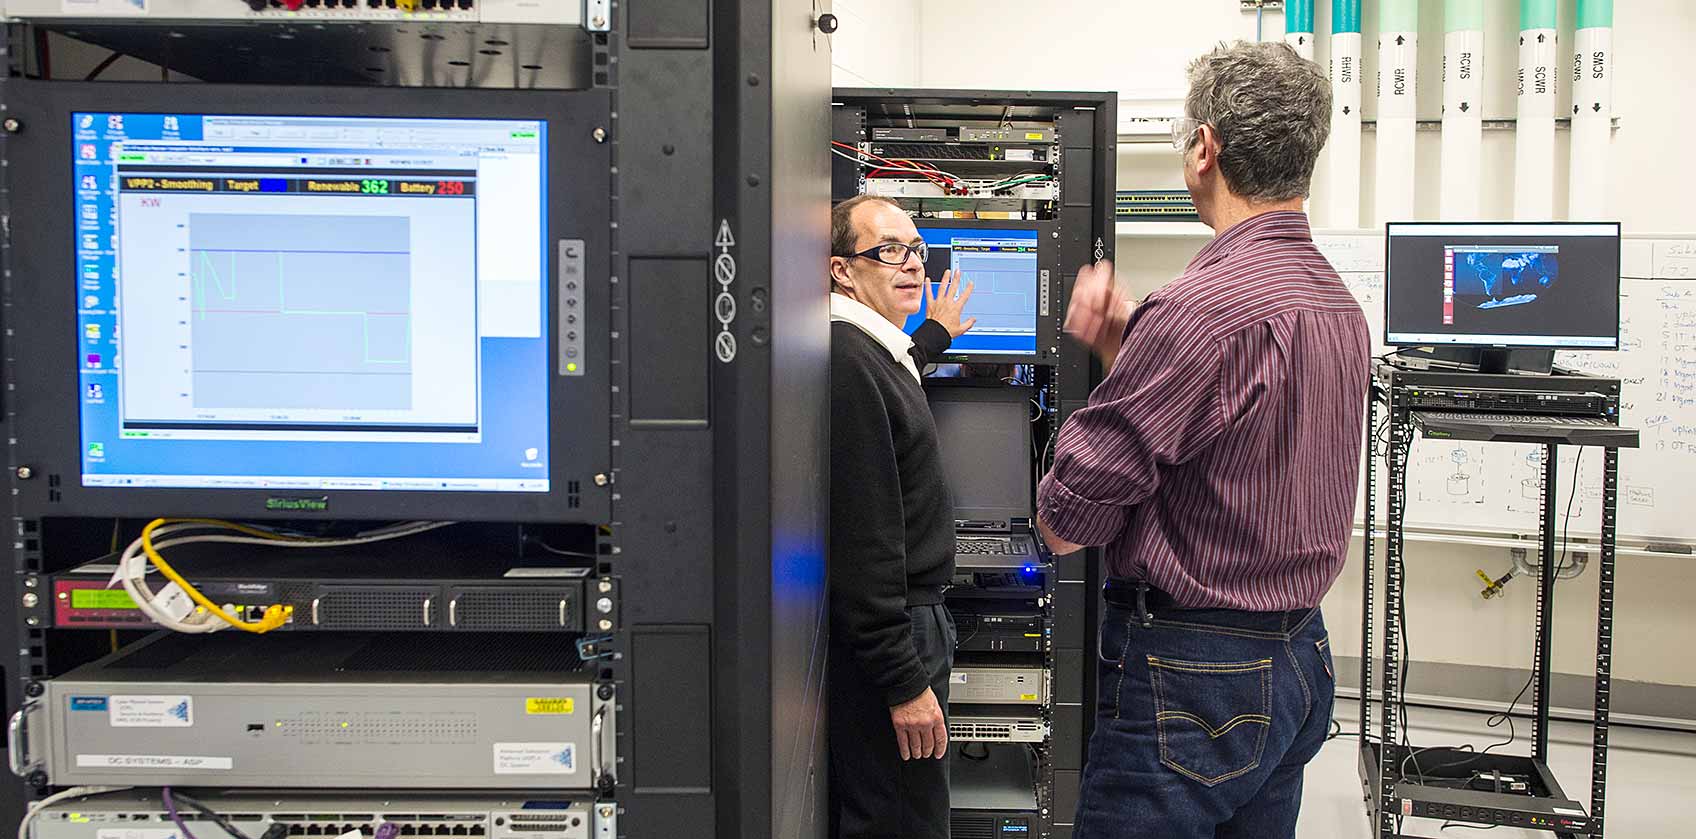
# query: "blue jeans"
{"type": "Point", "coordinates": [1206, 721]}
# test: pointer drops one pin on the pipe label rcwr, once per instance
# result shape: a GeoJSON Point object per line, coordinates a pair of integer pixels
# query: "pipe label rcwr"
{"type": "Point", "coordinates": [1398, 74]}
{"type": "Point", "coordinates": [1538, 78]}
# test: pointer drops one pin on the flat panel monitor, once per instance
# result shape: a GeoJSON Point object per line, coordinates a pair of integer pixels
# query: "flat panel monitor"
{"type": "Point", "coordinates": [1005, 262]}
{"type": "Point", "coordinates": [985, 436]}
{"type": "Point", "coordinates": [299, 302]}
{"type": "Point", "coordinates": [1503, 285]}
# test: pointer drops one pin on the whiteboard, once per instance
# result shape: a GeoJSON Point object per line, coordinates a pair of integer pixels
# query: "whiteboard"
{"type": "Point", "coordinates": [1495, 487]}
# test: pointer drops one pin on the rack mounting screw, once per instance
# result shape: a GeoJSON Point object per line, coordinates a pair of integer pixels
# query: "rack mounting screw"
{"type": "Point", "coordinates": [605, 625]}
{"type": "Point", "coordinates": [828, 23]}
{"type": "Point", "coordinates": [603, 605]}
{"type": "Point", "coordinates": [25, 473]}
{"type": "Point", "coordinates": [600, 135]}
{"type": "Point", "coordinates": [604, 692]}
{"type": "Point", "coordinates": [606, 586]}
{"type": "Point", "coordinates": [598, 22]}
{"type": "Point", "coordinates": [601, 479]}
{"type": "Point", "coordinates": [31, 600]}
{"type": "Point", "coordinates": [34, 689]}
{"type": "Point", "coordinates": [12, 125]}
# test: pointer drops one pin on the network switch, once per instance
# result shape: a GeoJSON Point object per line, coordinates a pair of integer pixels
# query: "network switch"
{"type": "Point", "coordinates": [139, 814]}
{"type": "Point", "coordinates": [996, 728]}
{"type": "Point", "coordinates": [388, 587]}
{"type": "Point", "coordinates": [324, 710]}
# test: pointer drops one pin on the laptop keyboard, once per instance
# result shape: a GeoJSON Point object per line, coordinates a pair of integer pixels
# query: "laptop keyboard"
{"type": "Point", "coordinates": [1524, 419]}
{"type": "Point", "coordinates": [982, 546]}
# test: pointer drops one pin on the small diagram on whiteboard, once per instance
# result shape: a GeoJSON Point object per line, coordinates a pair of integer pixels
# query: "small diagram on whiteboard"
{"type": "Point", "coordinates": [1531, 488]}
{"type": "Point", "coordinates": [1452, 476]}
{"type": "Point", "coordinates": [1640, 496]}
{"type": "Point", "coordinates": [1459, 483]}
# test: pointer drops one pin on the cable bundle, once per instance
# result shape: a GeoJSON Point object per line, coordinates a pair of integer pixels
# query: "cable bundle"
{"type": "Point", "coordinates": [210, 617]}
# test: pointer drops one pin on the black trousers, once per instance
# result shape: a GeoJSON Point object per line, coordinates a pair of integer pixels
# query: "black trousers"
{"type": "Point", "coordinates": [874, 794]}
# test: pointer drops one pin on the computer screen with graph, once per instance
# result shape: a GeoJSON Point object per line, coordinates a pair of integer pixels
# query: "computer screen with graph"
{"type": "Point", "coordinates": [1004, 267]}
{"type": "Point", "coordinates": [311, 302]}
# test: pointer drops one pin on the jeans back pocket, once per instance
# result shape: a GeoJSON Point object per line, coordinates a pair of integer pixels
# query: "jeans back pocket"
{"type": "Point", "coordinates": [1212, 718]}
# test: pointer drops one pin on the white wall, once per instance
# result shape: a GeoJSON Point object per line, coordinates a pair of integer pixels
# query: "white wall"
{"type": "Point", "coordinates": [1141, 48]}
{"type": "Point", "coordinates": [877, 44]}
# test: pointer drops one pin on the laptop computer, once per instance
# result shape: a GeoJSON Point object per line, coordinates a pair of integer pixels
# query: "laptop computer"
{"type": "Point", "coordinates": [985, 437]}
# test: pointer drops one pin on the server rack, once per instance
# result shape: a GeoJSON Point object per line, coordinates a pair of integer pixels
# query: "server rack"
{"type": "Point", "coordinates": [1070, 136]}
{"type": "Point", "coordinates": [718, 188]}
{"type": "Point", "coordinates": [1391, 792]}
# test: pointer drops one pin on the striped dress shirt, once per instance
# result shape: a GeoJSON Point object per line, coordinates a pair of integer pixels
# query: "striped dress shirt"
{"type": "Point", "coordinates": [1218, 461]}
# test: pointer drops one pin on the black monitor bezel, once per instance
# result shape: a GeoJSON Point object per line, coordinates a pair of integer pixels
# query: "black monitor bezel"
{"type": "Point", "coordinates": [971, 393]}
{"type": "Point", "coordinates": [1388, 237]}
{"type": "Point", "coordinates": [1048, 288]}
{"type": "Point", "coordinates": [43, 398]}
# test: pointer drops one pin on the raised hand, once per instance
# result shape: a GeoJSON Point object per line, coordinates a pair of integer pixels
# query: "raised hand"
{"type": "Point", "coordinates": [946, 306]}
{"type": "Point", "coordinates": [1098, 311]}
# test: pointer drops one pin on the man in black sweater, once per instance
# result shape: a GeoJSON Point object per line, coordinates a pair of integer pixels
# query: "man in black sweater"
{"type": "Point", "coordinates": [891, 531]}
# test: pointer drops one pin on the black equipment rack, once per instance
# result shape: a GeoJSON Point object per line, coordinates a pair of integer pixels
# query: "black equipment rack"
{"type": "Point", "coordinates": [1392, 795]}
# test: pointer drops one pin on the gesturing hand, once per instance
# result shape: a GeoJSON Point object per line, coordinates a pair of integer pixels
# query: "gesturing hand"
{"type": "Point", "coordinates": [920, 730]}
{"type": "Point", "coordinates": [1098, 312]}
{"type": "Point", "coordinates": [945, 306]}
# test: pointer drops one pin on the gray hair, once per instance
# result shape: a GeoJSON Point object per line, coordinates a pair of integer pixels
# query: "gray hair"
{"type": "Point", "coordinates": [1272, 111]}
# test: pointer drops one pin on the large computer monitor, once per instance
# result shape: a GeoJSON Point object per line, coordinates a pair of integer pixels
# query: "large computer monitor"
{"type": "Point", "coordinates": [1505, 285]}
{"type": "Point", "coordinates": [1009, 265]}
{"type": "Point", "coordinates": [311, 302]}
{"type": "Point", "coordinates": [985, 437]}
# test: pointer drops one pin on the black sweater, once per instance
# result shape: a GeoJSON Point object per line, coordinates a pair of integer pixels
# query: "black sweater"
{"type": "Point", "coordinates": [891, 517]}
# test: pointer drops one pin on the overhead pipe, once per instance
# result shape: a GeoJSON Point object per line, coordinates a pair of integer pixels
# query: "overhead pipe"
{"type": "Point", "coordinates": [1398, 84]}
{"type": "Point", "coordinates": [1298, 27]}
{"type": "Point", "coordinates": [1463, 108]}
{"type": "Point", "coordinates": [1592, 109]}
{"type": "Point", "coordinates": [1344, 147]}
{"type": "Point", "coordinates": [1534, 137]}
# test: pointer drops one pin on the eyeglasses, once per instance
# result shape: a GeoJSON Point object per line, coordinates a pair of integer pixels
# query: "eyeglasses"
{"type": "Point", "coordinates": [893, 253]}
{"type": "Point", "coordinates": [1184, 128]}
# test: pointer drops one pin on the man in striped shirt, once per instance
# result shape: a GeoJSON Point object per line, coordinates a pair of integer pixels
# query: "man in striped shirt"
{"type": "Point", "coordinates": [1217, 463]}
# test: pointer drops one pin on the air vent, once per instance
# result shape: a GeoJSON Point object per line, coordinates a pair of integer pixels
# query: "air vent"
{"type": "Point", "coordinates": [387, 728]}
{"type": "Point", "coordinates": [371, 607]}
{"type": "Point", "coordinates": [573, 494]}
{"type": "Point", "coordinates": [968, 826]}
{"type": "Point", "coordinates": [516, 609]}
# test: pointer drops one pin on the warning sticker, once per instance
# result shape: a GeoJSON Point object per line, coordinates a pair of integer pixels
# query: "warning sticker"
{"type": "Point", "coordinates": [152, 711]}
{"type": "Point", "coordinates": [549, 705]}
{"type": "Point", "coordinates": [535, 758]}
